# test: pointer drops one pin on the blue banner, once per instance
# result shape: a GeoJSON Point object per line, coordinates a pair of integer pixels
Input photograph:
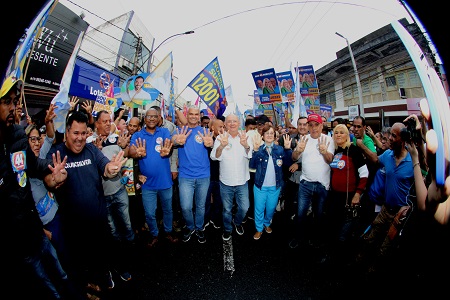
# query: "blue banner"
{"type": "Point", "coordinates": [90, 81]}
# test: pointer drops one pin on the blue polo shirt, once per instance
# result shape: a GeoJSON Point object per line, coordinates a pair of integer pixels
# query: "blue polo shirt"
{"type": "Point", "coordinates": [153, 166]}
{"type": "Point", "coordinates": [193, 158]}
{"type": "Point", "coordinates": [399, 179]}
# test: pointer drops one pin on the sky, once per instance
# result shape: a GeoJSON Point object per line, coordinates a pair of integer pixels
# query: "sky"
{"type": "Point", "coordinates": [247, 35]}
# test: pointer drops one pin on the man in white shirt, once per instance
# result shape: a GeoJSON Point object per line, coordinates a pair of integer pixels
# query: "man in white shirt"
{"type": "Point", "coordinates": [233, 149]}
{"type": "Point", "coordinates": [139, 93]}
{"type": "Point", "coordinates": [315, 151]}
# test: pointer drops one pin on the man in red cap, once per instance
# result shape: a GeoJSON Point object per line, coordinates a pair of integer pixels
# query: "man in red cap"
{"type": "Point", "coordinates": [314, 151]}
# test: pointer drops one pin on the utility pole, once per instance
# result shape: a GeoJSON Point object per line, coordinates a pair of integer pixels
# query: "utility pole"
{"type": "Point", "coordinates": [358, 83]}
{"type": "Point", "coordinates": [135, 69]}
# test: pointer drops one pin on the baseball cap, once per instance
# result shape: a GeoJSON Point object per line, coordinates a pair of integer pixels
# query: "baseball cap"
{"type": "Point", "coordinates": [315, 117]}
{"type": "Point", "coordinates": [8, 84]}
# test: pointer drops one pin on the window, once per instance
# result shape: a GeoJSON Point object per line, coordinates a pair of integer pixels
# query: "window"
{"type": "Point", "coordinates": [375, 86]}
{"type": "Point", "coordinates": [401, 80]}
{"type": "Point", "coordinates": [391, 82]}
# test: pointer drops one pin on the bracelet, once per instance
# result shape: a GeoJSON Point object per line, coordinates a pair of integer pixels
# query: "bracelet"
{"type": "Point", "coordinates": [416, 164]}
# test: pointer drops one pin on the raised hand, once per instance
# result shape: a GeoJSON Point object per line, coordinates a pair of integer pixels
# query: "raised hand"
{"type": "Point", "coordinates": [182, 135]}
{"type": "Point", "coordinates": [207, 137]}
{"type": "Point", "coordinates": [50, 114]}
{"type": "Point", "coordinates": [116, 163]}
{"type": "Point", "coordinates": [124, 139]}
{"type": "Point", "coordinates": [87, 106]}
{"type": "Point", "coordinates": [243, 138]}
{"type": "Point", "coordinates": [257, 142]}
{"type": "Point", "coordinates": [59, 172]}
{"type": "Point", "coordinates": [301, 144]}
{"type": "Point", "coordinates": [73, 102]}
{"type": "Point", "coordinates": [223, 138]}
{"type": "Point", "coordinates": [140, 147]}
{"type": "Point", "coordinates": [98, 142]}
{"type": "Point", "coordinates": [165, 148]}
{"type": "Point", "coordinates": [287, 141]}
{"type": "Point", "coordinates": [323, 144]}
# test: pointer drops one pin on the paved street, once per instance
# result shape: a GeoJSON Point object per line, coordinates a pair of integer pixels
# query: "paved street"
{"type": "Point", "coordinates": [264, 269]}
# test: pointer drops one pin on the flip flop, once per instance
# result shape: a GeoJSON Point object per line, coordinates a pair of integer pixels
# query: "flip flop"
{"type": "Point", "coordinates": [92, 297]}
{"type": "Point", "coordinates": [93, 287]}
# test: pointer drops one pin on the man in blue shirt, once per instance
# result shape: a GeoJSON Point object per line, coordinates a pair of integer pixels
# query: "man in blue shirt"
{"type": "Point", "coordinates": [152, 146]}
{"type": "Point", "coordinates": [193, 172]}
{"type": "Point", "coordinates": [381, 239]}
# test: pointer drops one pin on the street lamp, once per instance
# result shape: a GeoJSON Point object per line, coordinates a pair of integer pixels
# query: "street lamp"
{"type": "Point", "coordinates": [154, 50]}
{"type": "Point", "coordinates": [135, 110]}
{"type": "Point", "coordinates": [358, 83]}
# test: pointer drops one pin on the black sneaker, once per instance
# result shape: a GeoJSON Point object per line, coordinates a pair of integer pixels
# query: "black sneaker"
{"type": "Point", "coordinates": [200, 236]}
{"type": "Point", "coordinates": [239, 229]}
{"type": "Point", "coordinates": [109, 281]}
{"type": "Point", "coordinates": [187, 233]}
{"type": "Point", "coordinates": [293, 244]}
{"type": "Point", "coordinates": [226, 235]}
{"type": "Point", "coordinates": [215, 225]}
{"type": "Point", "coordinates": [125, 276]}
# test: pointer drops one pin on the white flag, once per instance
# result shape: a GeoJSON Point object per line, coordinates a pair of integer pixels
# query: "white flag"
{"type": "Point", "coordinates": [61, 100]}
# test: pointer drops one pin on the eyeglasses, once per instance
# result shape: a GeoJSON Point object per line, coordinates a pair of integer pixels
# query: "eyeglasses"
{"type": "Point", "coordinates": [357, 126]}
{"type": "Point", "coordinates": [149, 117]}
{"type": "Point", "coordinates": [35, 139]}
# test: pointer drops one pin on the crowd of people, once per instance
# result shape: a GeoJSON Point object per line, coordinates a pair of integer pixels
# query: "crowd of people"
{"type": "Point", "coordinates": [77, 205]}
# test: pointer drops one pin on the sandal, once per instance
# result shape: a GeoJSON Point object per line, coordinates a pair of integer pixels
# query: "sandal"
{"type": "Point", "coordinates": [92, 297]}
{"type": "Point", "coordinates": [93, 287]}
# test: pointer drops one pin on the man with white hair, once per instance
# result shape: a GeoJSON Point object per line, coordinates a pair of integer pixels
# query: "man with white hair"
{"type": "Point", "coordinates": [233, 149]}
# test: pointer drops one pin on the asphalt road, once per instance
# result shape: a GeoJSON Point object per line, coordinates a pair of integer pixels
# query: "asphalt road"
{"type": "Point", "coordinates": [265, 269]}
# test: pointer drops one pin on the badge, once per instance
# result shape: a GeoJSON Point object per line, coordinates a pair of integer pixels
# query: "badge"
{"type": "Point", "coordinates": [198, 139]}
{"type": "Point", "coordinates": [279, 162]}
{"type": "Point", "coordinates": [18, 161]}
{"type": "Point", "coordinates": [112, 140]}
{"type": "Point", "coordinates": [159, 140]}
{"type": "Point", "coordinates": [158, 148]}
{"type": "Point", "coordinates": [22, 178]}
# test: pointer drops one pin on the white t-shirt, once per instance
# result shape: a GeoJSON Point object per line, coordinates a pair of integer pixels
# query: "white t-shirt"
{"type": "Point", "coordinates": [314, 166]}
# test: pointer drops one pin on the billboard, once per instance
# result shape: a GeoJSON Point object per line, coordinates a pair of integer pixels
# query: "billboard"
{"type": "Point", "coordinates": [53, 48]}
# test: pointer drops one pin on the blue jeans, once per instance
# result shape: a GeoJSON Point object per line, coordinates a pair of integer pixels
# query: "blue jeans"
{"type": "Point", "coordinates": [266, 200]}
{"type": "Point", "coordinates": [44, 264]}
{"type": "Point", "coordinates": [228, 193]}
{"type": "Point", "coordinates": [119, 216]}
{"type": "Point", "coordinates": [150, 200]}
{"type": "Point", "coordinates": [190, 187]}
{"type": "Point", "coordinates": [315, 194]}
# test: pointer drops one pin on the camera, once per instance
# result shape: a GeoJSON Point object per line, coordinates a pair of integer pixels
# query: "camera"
{"type": "Point", "coordinates": [410, 133]}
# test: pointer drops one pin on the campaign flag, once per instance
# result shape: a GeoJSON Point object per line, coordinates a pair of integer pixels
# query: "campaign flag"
{"type": "Point", "coordinates": [161, 77]}
{"type": "Point", "coordinates": [287, 86]}
{"type": "Point", "coordinates": [16, 66]}
{"type": "Point", "coordinates": [208, 84]}
{"type": "Point", "coordinates": [61, 100]}
{"type": "Point", "coordinates": [298, 94]}
{"type": "Point", "coordinates": [267, 86]}
{"type": "Point", "coordinates": [134, 98]}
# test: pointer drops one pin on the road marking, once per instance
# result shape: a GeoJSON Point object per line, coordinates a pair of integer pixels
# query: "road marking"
{"type": "Point", "coordinates": [228, 260]}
